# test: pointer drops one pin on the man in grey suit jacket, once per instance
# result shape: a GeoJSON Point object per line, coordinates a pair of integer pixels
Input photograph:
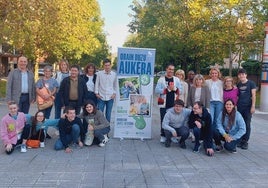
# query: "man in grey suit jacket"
{"type": "Point", "coordinates": [20, 86]}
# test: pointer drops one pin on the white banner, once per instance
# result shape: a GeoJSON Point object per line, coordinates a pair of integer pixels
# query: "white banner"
{"type": "Point", "coordinates": [135, 76]}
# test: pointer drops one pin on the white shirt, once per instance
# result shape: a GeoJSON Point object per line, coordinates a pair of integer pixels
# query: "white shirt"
{"type": "Point", "coordinates": [105, 84]}
{"type": "Point", "coordinates": [90, 84]}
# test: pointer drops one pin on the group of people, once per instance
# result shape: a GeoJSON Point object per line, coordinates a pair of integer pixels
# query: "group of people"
{"type": "Point", "coordinates": [70, 92]}
{"type": "Point", "coordinates": [213, 110]}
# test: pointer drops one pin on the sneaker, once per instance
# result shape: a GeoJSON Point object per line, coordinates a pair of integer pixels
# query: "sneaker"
{"type": "Point", "coordinates": [106, 139]}
{"type": "Point", "coordinates": [239, 145]}
{"type": "Point", "coordinates": [163, 139]}
{"type": "Point", "coordinates": [102, 144]}
{"type": "Point", "coordinates": [23, 148]}
{"type": "Point", "coordinates": [233, 151]}
{"type": "Point", "coordinates": [167, 143]}
{"type": "Point", "coordinates": [196, 147]}
{"type": "Point", "coordinates": [48, 136]}
{"type": "Point", "coordinates": [174, 140]}
{"type": "Point", "coordinates": [42, 144]}
{"type": "Point", "coordinates": [244, 145]}
{"type": "Point", "coordinates": [219, 148]}
{"type": "Point", "coordinates": [183, 145]}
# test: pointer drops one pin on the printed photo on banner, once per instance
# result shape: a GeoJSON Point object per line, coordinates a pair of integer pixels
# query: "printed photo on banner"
{"type": "Point", "coordinates": [127, 86]}
{"type": "Point", "coordinates": [139, 105]}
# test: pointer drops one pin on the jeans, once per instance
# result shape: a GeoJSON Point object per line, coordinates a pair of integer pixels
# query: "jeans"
{"type": "Point", "coordinates": [183, 131]}
{"type": "Point", "coordinates": [24, 103]}
{"type": "Point", "coordinates": [229, 146]}
{"type": "Point", "coordinates": [92, 96]}
{"type": "Point", "coordinates": [72, 137]}
{"type": "Point", "coordinates": [215, 109]}
{"type": "Point", "coordinates": [47, 112]}
{"type": "Point", "coordinates": [75, 105]}
{"type": "Point", "coordinates": [109, 106]}
{"type": "Point", "coordinates": [245, 112]}
{"type": "Point", "coordinates": [57, 105]}
{"type": "Point", "coordinates": [162, 114]}
{"type": "Point", "coordinates": [100, 132]}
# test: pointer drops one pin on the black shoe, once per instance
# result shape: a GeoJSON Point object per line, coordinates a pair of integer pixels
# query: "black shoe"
{"type": "Point", "coordinates": [244, 145]}
{"type": "Point", "coordinates": [183, 145]}
{"type": "Point", "coordinates": [239, 145]}
{"type": "Point", "coordinates": [167, 143]}
{"type": "Point", "coordinates": [47, 136]}
{"type": "Point", "coordinates": [233, 151]}
{"type": "Point", "coordinates": [219, 148]}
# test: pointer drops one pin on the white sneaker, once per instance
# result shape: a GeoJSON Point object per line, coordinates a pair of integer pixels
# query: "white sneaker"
{"type": "Point", "coordinates": [42, 144]}
{"type": "Point", "coordinates": [102, 144]}
{"type": "Point", "coordinates": [163, 139]}
{"type": "Point", "coordinates": [174, 140]}
{"type": "Point", "coordinates": [23, 148]}
{"type": "Point", "coordinates": [106, 139]}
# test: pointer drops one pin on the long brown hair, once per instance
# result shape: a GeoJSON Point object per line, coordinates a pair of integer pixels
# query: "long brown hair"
{"type": "Point", "coordinates": [231, 115]}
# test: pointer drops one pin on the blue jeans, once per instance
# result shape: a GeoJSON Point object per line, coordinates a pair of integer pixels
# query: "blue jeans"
{"type": "Point", "coordinates": [109, 106]}
{"type": "Point", "coordinates": [57, 105]}
{"type": "Point", "coordinates": [72, 137]}
{"type": "Point", "coordinates": [24, 103]}
{"type": "Point", "coordinates": [229, 146]}
{"type": "Point", "coordinates": [100, 132]}
{"type": "Point", "coordinates": [215, 109]}
{"type": "Point", "coordinates": [245, 112]}
{"type": "Point", "coordinates": [47, 112]}
{"type": "Point", "coordinates": [183, 131]}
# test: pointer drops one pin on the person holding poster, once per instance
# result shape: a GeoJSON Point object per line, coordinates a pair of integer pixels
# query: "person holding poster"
{"type": "Point", "coordinates": [175, 123]}
{"type": "Point", "coordinates": [168, 87]}
{"type": "Point", "coordinates": [105, 89]}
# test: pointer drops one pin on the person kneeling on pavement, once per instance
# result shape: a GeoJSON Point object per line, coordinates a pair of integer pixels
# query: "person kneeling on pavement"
{"type": "Point", "coordinates": [71, 131]}
{"type": "Point", "coordinates": [200, 122]}
{"type": "Point", "coordinates": [230, 128]}
{"type": "Point", "coordinates": [175, 123]}
{"type": "Point", "coordinates": [95, 124]}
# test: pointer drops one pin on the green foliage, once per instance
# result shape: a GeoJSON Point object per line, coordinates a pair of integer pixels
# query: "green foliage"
{"type": "Point", "coordinates": [252, 67]}
{"type": "Point", "coordinates": [2, 88]}
{"type": "Point", "coordinates": [192, 33]}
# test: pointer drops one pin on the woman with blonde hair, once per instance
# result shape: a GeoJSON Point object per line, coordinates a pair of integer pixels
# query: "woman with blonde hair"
{"type": "Point", "coordinates": [184, 95]}
{"type": "Point", "coordinates": [215, 86]}
{"type": "Point", "coordinates": [199, 92]}
{"type": "Point", "coordinates": [230, 91]}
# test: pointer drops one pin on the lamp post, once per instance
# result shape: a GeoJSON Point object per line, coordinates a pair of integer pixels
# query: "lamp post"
{"type": "Point", "coordinates": [264, 74]}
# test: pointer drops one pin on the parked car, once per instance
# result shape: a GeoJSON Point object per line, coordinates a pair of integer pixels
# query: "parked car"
{"type": "Point", "coordinates": [161, 73]}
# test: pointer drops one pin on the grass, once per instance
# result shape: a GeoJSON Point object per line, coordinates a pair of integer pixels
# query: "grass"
{"type": "Point", "coordinates": [3, 88]}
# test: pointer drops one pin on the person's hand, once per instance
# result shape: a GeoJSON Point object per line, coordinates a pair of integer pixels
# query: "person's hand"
{"type": "Point", "coordinates": [210, 152]}
{"type": "Point", "coordinates": [98, 96]}
{"type": "Point", "coordinates": [9, 147]}
{"type": "Point", "coordinates": [80, 144]}
{"type": "Point", "coordinates": [63, 116]}
{"type": "Point", "coordinates": [198, 124]}
{"type": "Point", "coordinates": [113, 96]}
{"type": "Point", "coordinates": [252, 110]}
{"type": "Point", "coordinates": [174, 134]}
{"type": "Point", "coordinates": [228, 138]}
{"type": "Point", "coordinates": [68, 150]}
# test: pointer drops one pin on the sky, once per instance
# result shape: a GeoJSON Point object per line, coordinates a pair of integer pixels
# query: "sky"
{"type": "Point", "coordinates": [116, 18]}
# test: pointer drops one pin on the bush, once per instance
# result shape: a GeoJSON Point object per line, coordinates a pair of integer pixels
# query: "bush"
{"type": "Point", "coordinates": [3, 88]}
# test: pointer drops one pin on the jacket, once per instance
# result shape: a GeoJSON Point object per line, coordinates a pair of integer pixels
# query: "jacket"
{"type": "Point", "coordinates": [100, 121]}
{"type": "Point", "coordinates": [9, 128]}
{"type": "Point", "coordinates": [204, 98]}
{"type": "Point", "coordinates": [206, 129]}
{"type": "Point", "coordinates": [14, 86]}
{"type": "Point", "coordinates": [65, 89]}
{"type": "Point", "coordinates": [65, 128]}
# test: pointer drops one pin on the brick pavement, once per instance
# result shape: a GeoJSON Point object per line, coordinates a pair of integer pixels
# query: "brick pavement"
{"type": "Point", "coordinates": [135, 163]}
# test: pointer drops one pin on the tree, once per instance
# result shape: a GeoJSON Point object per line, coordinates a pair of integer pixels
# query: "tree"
{"type": "Point", "coordinates": [62, 28]}
{"type": "Point", "coordinates": [194, 33]}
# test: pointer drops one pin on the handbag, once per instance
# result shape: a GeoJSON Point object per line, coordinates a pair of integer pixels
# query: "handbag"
{"type": "Point", "coordinates": [44, 104]}
{"type": "Point", "coordinates": [32, 143]}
